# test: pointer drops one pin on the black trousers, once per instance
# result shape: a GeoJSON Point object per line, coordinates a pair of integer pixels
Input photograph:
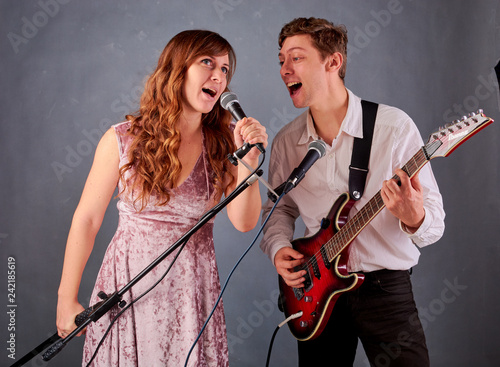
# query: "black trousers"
{"type": "Point", "coordinates": [383, 315]}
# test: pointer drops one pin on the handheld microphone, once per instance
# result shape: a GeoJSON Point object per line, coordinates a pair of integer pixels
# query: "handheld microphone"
{"type": "Point", "coordinates": [229, 101]}
{"type": "Point", "coordinates": [316, 150]}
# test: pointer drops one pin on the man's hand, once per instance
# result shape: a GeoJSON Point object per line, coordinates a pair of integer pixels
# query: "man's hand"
{"type": "Point", "coordinates": [405, 202]}
{"type": "Point", "coordinates": [285, 260]}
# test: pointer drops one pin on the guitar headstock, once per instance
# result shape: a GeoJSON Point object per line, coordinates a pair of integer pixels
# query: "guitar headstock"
{"type": "Point", "coordinates": [448, 138]}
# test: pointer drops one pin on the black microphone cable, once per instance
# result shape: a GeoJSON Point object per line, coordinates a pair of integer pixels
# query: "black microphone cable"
{"type": "Point", "coordinates": [284, 322]}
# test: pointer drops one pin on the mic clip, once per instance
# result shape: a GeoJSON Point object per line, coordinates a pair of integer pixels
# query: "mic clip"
{"type": "Point", "coordinates": [285, 187]}
{"type": "Point", "coordinates": [273, 195]}
{"type": "Point", "coordinates": [242, 151]}
{"type": "Point", "coordinates": [232, 159]}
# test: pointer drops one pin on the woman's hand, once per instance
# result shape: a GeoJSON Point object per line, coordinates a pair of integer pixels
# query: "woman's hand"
{"type": "Point", "coordinates": [251, 131]}
{"type": "Point", "coordinates": [66, 314]}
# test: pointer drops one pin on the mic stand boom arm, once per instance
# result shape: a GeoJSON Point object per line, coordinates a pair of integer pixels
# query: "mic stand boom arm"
{"type": "Point", "coordinates": [96, 311]}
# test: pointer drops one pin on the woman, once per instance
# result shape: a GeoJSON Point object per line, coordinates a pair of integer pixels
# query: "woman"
{"type": "Point", "coordinates": [169, 162]}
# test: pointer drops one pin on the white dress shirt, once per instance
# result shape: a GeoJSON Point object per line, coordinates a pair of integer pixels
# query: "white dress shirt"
{"type": "Point", "coordinates": [383, 244]}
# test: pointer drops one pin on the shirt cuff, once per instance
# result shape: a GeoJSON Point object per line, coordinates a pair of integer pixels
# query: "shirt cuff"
{"type": "Point", "coordinates": [425, 224]}
{"type": "Point", "coordinates": [416, 237]}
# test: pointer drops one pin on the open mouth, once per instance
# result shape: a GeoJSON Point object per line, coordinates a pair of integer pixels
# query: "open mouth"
{"type": "Point", "coordinates": [293, 87]}
{"type": "Point", "coordinates": [211, 92]}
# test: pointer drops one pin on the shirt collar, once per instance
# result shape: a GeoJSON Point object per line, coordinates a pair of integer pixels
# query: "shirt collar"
{"type": "Point", "coordinates": [351, 125]}
{"type": "Point", "coordinates": [353, 120]}
{"type": "Point", "coordinates": [309, 132]}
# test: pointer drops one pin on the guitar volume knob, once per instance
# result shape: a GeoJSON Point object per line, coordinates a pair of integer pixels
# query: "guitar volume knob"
{"type": "Point", "coordinates": [304, 324]}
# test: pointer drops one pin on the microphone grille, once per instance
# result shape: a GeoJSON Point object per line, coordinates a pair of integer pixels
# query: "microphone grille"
{"type": "Point", "coordinates": [319, 146]}
{"type": "Point", "coordinates": [227, 98]}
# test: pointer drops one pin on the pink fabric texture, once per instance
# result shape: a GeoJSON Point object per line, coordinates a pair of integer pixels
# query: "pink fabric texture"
{"type": "Point", "coordinates": [161, 327]}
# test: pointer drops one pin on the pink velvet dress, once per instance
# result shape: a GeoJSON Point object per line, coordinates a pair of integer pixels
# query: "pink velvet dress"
{"type": "Point", "coordinates": [161, 327]}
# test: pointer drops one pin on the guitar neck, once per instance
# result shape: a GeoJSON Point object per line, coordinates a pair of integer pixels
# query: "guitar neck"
{"type": "Point", "coordinates": [365, 215]}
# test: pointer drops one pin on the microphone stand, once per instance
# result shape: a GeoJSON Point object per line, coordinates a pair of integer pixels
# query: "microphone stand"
{"type": "Point", "coordinates": [96, 311]}
{"type": "Point", "coordinates": [235, 158]}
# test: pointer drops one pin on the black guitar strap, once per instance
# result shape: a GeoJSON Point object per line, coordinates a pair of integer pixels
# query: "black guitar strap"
{"type": "Point", "coordinates": [358, 170]}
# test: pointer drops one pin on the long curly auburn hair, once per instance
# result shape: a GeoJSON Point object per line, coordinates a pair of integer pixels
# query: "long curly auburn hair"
{"type": "Point", "coordinates": [153, 159]}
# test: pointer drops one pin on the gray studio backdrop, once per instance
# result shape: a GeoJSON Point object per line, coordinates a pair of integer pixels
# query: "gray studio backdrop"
{"type": "Point", "coordinates": [70, 69]}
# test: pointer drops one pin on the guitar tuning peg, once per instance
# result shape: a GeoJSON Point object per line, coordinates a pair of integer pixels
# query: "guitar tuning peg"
{"type": "Point", "coordinates": [463, 118]}
{"type": "Point", "coordinates": [479, 111]}
{"type": "Point", "coordinates": [472, 114]}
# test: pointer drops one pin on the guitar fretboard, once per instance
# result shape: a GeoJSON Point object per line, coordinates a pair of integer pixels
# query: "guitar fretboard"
{"type": "Point", "coordinates": [365, 215]}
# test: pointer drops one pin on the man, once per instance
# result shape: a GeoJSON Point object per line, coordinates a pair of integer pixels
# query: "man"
{"type": "Point", "coordinates": [381, 312]}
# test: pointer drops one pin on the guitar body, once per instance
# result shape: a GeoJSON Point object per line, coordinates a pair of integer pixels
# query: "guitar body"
{"type": "Point", "coordinates": [325, 280]}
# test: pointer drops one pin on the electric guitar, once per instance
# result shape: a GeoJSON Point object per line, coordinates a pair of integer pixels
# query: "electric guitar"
{"type": "Point", "coordinates": [326, 252]}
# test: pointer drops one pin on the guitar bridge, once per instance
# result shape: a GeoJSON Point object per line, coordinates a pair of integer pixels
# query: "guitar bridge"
{"type": "Point", "coordinates": [299, 293]}
{"type": "Point", "coordinates": [308, 284]}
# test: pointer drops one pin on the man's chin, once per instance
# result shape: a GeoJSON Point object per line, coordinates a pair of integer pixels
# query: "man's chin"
{"type": "Point", "coordinates": [298, 104]}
